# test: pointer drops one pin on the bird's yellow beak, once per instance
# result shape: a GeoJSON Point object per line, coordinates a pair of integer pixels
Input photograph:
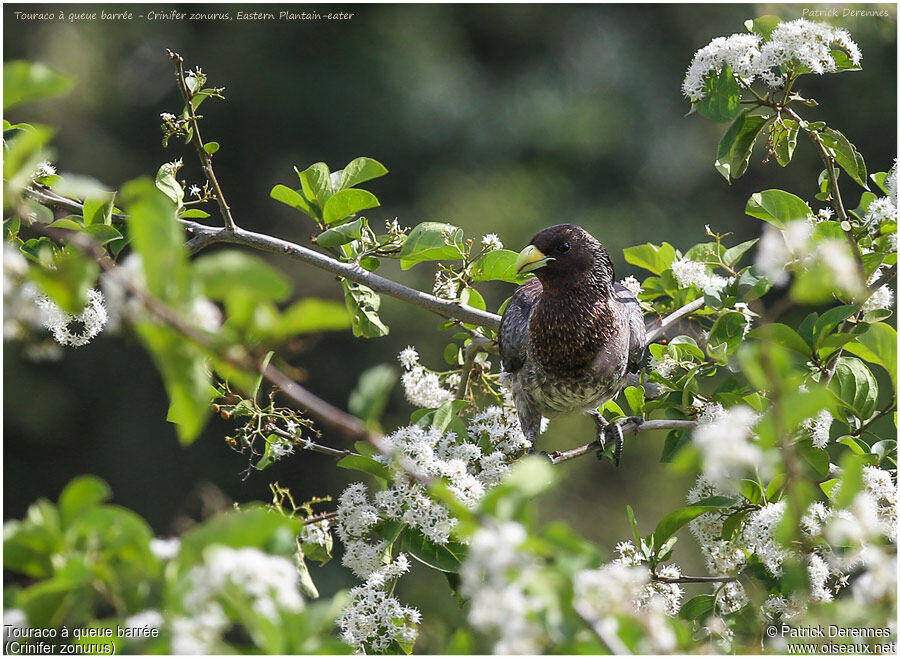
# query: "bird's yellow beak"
{"type": "Point", "coordinates": [530, 258]}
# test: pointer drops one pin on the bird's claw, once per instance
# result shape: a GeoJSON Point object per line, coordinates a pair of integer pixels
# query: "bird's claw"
{"type": "Point", "coordinates": [615, 429]}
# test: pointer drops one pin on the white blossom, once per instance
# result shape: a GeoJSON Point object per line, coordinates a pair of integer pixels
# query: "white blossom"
{"type": "Point", "coordinates": [731, 598]}
{"type": "Point", "coordinates": [58, 322]}
{"type": "Point", "coordinates": [819, 428]}
{"type": "Point", "coordinates": [879, 580]}
{"type": "Point", "coordinates": [727, 444]}
{"type": "Point", "coordinates": [318, 533]}
{"type": "Point", "coordinates": [882, 298]}
{"type": "Point", "coordinates": [491, 242]}
{"type": "Point", "coordinates": [165, 549]}
{"type": "Point", "coordinates": [691, 273]}
{"type": "Point", "coordinates": [758, 535]}
{"type": "Point", "coordinates": [195, 191]}
{"type": "Point", "coordinates": [145, 619]}
{"type": "Point", "coordinates": [445, 286]}
{"type": "Point", "coordinates": [372, 621]}
{"type": "Point", "coordinates": [495, 576]}
{"type": "Point", "coordinates": [743, 309]}
{"type": "Point", "coordinates": [199, 633]}
{"type": "Point", "coordinates": [778, 607]}
{"type": "Point", "coordinates": [363, 558]}
{"type": "Point", "coordinates": [423, 388]}
{"type": "Point", "coordinates": [881, 487]}
{"type": "Point", "coordinates": [280, 448]}
{"type": "Point", "coordinates": [355, 515]}
{"type": "Point", "coordinates": [665, 366]}
{"type": "Point", "coordinates": [44, 169]}
{"type": "Point", "coordinates": [818, 572]}
{"type": "Point", "coordinates": [409, 357]}
{"type": "Point", "coordinates": [167, 116]}
{"type": "Point", "coordinates": [880, 210]}
{"type": "Point", "coordinates": [633, 285]}
{"type": "Point", "coordinates": [739, 52]}
{"type": "Point", "coordinates": [778, 248]}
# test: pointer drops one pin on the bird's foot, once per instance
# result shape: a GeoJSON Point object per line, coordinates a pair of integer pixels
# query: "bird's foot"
{"type": "Point", "coordinates": [615, 431]}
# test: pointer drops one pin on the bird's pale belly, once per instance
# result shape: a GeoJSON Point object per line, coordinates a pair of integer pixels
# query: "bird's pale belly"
{"type": "Point", "coordinates": [553, 395]}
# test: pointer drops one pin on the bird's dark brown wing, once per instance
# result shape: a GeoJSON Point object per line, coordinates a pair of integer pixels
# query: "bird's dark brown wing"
{"type": "Point", "coordinates": [637, 331]}
{"type": "Point", "coordinates": [514, 325]}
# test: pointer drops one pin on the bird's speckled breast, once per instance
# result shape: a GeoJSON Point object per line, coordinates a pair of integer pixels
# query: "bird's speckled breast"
{"type": "Point", "coordinates": [554, 395]}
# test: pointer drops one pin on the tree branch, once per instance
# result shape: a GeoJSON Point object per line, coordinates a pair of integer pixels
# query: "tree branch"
{"type": "Point", "coordinates": [628, 427]}
{"type": "Point", "coordinates": [203, 236]}
{"type": "Point", "coordinates": [205, 158]}
{"type": "Point", "coordinates": [672, 318]}
{"type": "Point", "coordinates": [694, 579]}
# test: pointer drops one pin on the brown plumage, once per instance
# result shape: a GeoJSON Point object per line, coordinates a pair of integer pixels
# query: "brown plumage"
{"type": "Point", "coordinates": [569, 336]}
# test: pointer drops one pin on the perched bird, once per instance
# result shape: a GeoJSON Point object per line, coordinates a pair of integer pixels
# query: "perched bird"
{"type": "Point", "coordinates": [571, 334]}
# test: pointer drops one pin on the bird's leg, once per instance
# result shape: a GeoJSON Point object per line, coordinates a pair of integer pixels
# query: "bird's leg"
{"type": "Point", "coordinates": [605, 429]}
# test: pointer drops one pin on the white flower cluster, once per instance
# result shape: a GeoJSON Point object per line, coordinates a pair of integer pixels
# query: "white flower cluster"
{"type": "Point", "coordinates": [691, 273]}
{"type": "Point", "coordinates": [44, 169]}
{"type": "Point", "coordinates": [491, 242]}
{"type": "Point", "coordinates": [602, 595]}
{"type": "Point", "coordinates": [270, 583]}
{"type": "Point", "coordinates": [426, 453]}
{"type": "Point", "coordinates": [665, 366]}
{"type": "Point", "coordinates": [669, 593]}
{"type": "Point", "coordinates": [92, 320]}
{"type": "Point", "coordinates": [423, 388]}
{"type": "Point", "coordinates": [317, 533]}
{"type": "Point", "coordinates": [372, 620]}
{"type": "Point", "coordinates": [727, 444]}
{"type": "Point", "coordinates": [819, 428]}
{"type": "Point", "coordinates": [445, 286]}
{"type": "Point", "coordinates": [165, 549]}
{"type": "Point", "coordinates": [758, 535]}
{"type": "Point", "coordinates": [495, 576]}
{"type": "Point", "coordinates": [633, 285]}
{"type": "Point", "coordinates": [723, 558]}
{"type": "Point", "coordinates": [799, 42]}
{"type": "Point", "coordinates": [882, 298]}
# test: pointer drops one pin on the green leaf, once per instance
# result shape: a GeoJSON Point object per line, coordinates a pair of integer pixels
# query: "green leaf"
{"type": "Point", "coordinates": [194, 213]}
{"type": "Point", "coordinates": [763, 26]}
{"type": "Point", "coordinates": [783, 335]}
{"type": "Point", "coordinates": [784, 140]}
{"type": "Point", "coordinates": [312, 315]}
{"type": "Point", "coordinates": [316, 183]}
{"type": "Point", "coordinates": [878, 345]}
{"type": "Point", "coordinates": [736, 145]}
{"type": "Point", "coordinates": [443, 557]}
{"type": "Point", "coordinates": [432, 241]}
{"type": "Point", "coordinates": [698, 608]}
{"type": "Point", "coordinates": [185, 375]}
{"type": "Point", "coordinates": [722, 96]}
{"type": "Point", "coordinates": [650, 257]}
{"type": "Point", "coordinates": [31, 81]}
{"type": "Point", "coordinates": [845, 154]}
{"type": "Point", "coordinates": [672, 522]}
{"type": "Point", "coordinates": [211, 147]}
{"type": "Point", "coordinates": [777, 207]}
{"type": "Point", "coordinates": [225, 272]}
{"type": "Point", "coordinates": [335, 237]}
{"type": "Point", "coordinates": [103, 234]}
{"type": "Point", "coordinates": [292, 198]}
{"type": "Point", "coordinates": [635, 397]}
{"type": "Point", "coordinates": [346, 203]}
{"type": "Point", "coordinates": [855, 387]}
{"type": "Point", "coordinates": [815, 457]}
{"type": "Point", "coordinates": [98, 211]}
{"type": "Point", "coordinates": [363, 304]}
{"type": "Point", "coordinates": [728, 329]}
{"type": "Point", "coordinates": [498, 265]}
{"type": "Point", "coordinates": [359, 171]}
{"type": "Point", "coordinates": [370, 397]}
{"type": "Point", "coordinates": [82, 493]}
{"type": "Point", "coordinates": [734, 254]}
{"type": "Point", "coordinates": [366, 465]}
{"type": "Point", "coordinates": [68, 279]}
{"type": "Point", "coordinates": [169, 185]}
{"type": "Point", "coordinates": [305, 581]}
{"type": "Point", "coordinates": [829, 320]}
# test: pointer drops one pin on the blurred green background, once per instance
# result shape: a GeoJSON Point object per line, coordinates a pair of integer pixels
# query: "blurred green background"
{"type": "Point", "coordinates": [497, 118]}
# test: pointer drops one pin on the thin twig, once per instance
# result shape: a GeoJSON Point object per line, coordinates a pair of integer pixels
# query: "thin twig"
{"type": "Point", "coordinates": [205, 158]}
{"type": "Point", "coordinates": [478, 344]}
{"type": "Point", "coordinates": [628, 427]}
{"type": "Point", "coordinates": [671, 318]}
{"type": "Point", "coordinates": [694, 579]}
{"type": "Point", "coordinates": [309, 444]}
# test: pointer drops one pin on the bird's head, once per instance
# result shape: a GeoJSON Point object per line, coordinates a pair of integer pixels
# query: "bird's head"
{"type": "Point", "coordinates": [565, 254]}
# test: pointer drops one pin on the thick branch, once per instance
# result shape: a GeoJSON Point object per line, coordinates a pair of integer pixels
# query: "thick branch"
{"type": "Point", "coordinates": [628, 427]}
{"type": "Point", "coordinates": [206, 235]}
{"type": "Point", "coordinates": [205, 158]}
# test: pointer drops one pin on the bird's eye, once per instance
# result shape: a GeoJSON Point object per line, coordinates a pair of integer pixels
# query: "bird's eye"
{"type": "Point", "coordinates": [564, 247]}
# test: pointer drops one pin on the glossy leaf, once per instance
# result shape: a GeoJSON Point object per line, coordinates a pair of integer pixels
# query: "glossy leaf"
{"type": "Point", "coordinates": [443, 557]}
{"type": "Point", "coordinates": [654, 258]}
{"type": "Point", "coordinates": [432, 241]}
{"type": "Point", "coordinates": [346, 203]}
{"type": "Point", "coordinates": [359, 171]}
{"type": "Point", "coordinates": [777, 207]}
{"type": "Point", "coordinates": [722, 96]}
{"type": "Point", "coordinates": [736, 145]}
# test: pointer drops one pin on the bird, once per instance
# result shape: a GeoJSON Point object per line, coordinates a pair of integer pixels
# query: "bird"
{"type": "Point", "coordinates": [571, 334]}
